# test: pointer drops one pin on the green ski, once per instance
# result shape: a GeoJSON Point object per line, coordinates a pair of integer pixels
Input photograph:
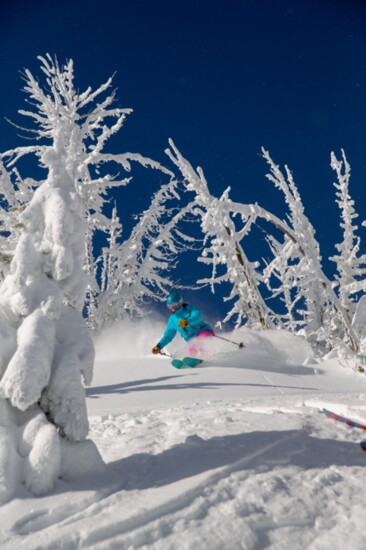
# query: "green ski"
{"type": "Point", "coordinates": [186, 363]}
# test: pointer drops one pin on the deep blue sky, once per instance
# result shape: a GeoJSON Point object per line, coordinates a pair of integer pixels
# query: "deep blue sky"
{"type": "Point", "coordinates": [222, 78]}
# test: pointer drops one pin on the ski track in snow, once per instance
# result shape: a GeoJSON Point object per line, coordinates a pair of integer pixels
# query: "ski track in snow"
{"type": "Point", "coordinates": [234, 455]}
{"type": "Point", "coordinates": [150, 518]}
{"type": "Point", "coordinates": [185, 500]}
{"type": "Point", "coordinates": [273, 385]}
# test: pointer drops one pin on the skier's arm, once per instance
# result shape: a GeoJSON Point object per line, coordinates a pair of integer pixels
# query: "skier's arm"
{"type": "Point", "coordinates": [167, 337]}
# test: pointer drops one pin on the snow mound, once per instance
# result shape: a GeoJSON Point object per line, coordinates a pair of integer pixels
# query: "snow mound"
{"type": "Point", "coordinates": [33, 453]}
{"type": "Point", "coordinates": [79, 460]}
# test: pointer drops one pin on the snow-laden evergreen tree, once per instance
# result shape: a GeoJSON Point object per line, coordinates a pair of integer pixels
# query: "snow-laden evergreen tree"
{"type": "Point", "coordinates": [351, 264]}
{"type": "Point", "coordinates": [297, 266]}
{"type": "Point", "coordinates": [222, 248]}
{"type": "Point", "coordinates": [43, 294]}
{"type": "Point", "coordinates": [46, 348]}
{"type": "Point", "coordinates": [83, 122]}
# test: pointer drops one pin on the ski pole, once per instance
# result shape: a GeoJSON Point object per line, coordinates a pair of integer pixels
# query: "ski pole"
{"type": "Point", "coordinates": [163, 353]}
{"type": "Point", "coordinates": [241, 345]}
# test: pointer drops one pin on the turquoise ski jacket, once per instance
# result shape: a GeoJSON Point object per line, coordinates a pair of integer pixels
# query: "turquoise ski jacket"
{"type": "Point", "coordinates": [195, 324]}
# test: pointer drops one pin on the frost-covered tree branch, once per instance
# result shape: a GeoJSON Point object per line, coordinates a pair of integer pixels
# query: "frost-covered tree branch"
{"type": "Point", "coordinates": [295, 273]}
{"type": "Point", "coordinates": [297, 267]}
{"type": "Point", "coordinates": [79, 126]}
{"type": "Point", "coordinates": [351, 265]}
{"type": "Point", "coordinates": [222, 248]}
{"type": "Point", "coordinates": [137, 268]}
{"type": "Point", "coordinates": [14, 195]}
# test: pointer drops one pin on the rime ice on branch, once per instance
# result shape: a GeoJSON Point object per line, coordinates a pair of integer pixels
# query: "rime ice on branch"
{"type": "Point", "coordinates": [295, 273]}
{"type": "Point", "coordinates": [351, 265]}
{"type": "Point", "coordinates": [298, 270]}
{"type": "Point", "coordinates": [137, 268]}
{"type": "Point", "coordinates": [222, 248]}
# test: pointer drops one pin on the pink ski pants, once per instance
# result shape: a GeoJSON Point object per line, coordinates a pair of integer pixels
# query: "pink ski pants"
{"type": "Point", "coordinates": [195, 348]}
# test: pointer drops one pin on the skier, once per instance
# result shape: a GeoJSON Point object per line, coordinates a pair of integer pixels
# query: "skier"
{"type": "Point", "coordinates": [187, 320]}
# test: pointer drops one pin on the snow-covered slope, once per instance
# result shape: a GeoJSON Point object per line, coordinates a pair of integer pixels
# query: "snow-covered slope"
{"type": "Point", "coordinates": [233, 454]}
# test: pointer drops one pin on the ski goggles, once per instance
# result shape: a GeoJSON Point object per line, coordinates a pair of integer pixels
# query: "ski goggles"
{"type": "Point", "coordinates": [173, 305]}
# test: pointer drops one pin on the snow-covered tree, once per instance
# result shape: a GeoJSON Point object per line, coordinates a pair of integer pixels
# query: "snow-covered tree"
{"type": "Point", "coordinates": [222, 248]}
{"type": "Point", "coordinates": [81, 124]}
{"type": "Point", "coordinates": [351, 264]}
{"type": "Point", "coordinates": [297, 267]}
{"type": "Point", "coordinates": [14, 195]}
{"type": "Point", "coordinates": [46, 346]}
{"type": "Point", "coordinates": [295, 274]}
{"type": "Point", "coordinates": [42, 295]}
{"type": "Point", "coordinates": [138, 268]}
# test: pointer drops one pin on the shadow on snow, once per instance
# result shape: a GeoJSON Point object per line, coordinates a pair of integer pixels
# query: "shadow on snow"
{"type": "Point", "coordinates": [245, 451]}
{"type": "Point", "coordinates": [152, 384]}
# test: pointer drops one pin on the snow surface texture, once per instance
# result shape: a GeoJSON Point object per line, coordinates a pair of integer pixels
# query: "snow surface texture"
{"type": "Point", "coordinates": [233, 454]}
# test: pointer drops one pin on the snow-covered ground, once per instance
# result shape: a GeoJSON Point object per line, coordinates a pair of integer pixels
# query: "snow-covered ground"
{"type": "Point", "coordinates": [234, 454]}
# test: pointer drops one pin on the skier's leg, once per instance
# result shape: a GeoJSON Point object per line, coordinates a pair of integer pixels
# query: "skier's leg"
{"type": "Point", "coordinates": [206, 333]}
{"type": "Point", "coordinates": [197, 348]}
{"type": "Point", "coordinates": [193, 349]}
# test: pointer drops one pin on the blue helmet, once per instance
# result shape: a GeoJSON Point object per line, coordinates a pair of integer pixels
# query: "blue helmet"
{"type": "Point", "coordinates": [174, 299]}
